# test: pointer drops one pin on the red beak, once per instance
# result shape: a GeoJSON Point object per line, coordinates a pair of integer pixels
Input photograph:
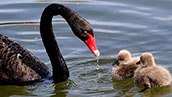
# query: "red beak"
{"type": "Point", "coordinates": [92, 44]}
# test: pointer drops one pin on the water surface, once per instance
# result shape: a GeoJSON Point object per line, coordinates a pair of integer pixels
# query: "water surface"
{"type": "Point", "coordinates": [136, 25]}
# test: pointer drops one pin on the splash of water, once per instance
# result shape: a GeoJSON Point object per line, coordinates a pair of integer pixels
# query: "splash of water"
{"type": "Point", "coordinates": [98, 66]}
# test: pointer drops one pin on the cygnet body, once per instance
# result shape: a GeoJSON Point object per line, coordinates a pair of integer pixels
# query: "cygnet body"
{"type": "Point", "coordinates": [124, 66]}
{"type": "Point", "coordinates": [149, 74]}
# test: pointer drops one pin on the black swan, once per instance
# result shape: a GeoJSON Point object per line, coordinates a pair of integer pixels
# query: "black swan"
{"type": "Point", "coordinates": [19, 66]}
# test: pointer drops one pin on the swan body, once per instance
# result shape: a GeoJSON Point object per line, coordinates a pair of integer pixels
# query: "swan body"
{"type": "Point", "coordinates": [20, 66]}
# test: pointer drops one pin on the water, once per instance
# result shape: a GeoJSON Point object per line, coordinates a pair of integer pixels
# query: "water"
{"type": "Point", "coordinates": [136, 25]}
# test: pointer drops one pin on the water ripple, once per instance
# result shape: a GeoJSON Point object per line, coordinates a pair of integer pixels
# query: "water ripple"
{"type": "Point", "coordinates": [144, 8]}
{"type": "Point", "coordinates": [109, 3]}
{"type": "Point", "coordinates": [169, 18]}
{"type": "Point", "coordinates": [128, 25]}
{"type": "Point", "coordinates": [11, 10]}
{"type": "Point", "coordinates": [134, 12]}
{"type": "Point", "coordinates": [26, 22]}
{"type": "Point", "coordinates": [107, 31]}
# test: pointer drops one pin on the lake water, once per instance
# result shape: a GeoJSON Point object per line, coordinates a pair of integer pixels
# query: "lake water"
{"type": "Point", "coordinates": [137, 25]}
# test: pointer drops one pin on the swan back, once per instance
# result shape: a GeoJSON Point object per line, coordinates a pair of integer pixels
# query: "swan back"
{"type": "Point", "coordinates": [17, 64]}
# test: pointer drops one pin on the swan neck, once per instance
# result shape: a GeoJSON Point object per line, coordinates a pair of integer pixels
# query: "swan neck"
{"type": "Point", "coordinates": [59, 67]}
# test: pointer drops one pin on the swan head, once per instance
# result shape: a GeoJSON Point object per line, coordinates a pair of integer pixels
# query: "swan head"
{"type": "Point", "coordinates": [122, 58]}
{"type": "Point", "coordinates": [146, 59]}
{"type": "Point", "coordinates": [80, 27]}
{"type": "Point", "coordinates": [83, 30]}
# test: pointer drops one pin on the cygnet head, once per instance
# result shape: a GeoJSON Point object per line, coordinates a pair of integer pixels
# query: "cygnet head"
{"type": "Point", "coordinates": [123, 57]}
{"type": "Point", "coordinates": [147, 59]}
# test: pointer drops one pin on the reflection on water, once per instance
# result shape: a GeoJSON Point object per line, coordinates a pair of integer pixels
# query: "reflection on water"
{"type": "Point", "coordinates": [125, 87]}
{"type": "Point", "coordinates": [7, 91]}
{"type": "Point", "coordinates": [10, 23]}
{"type": "Point", "coordinates": [158, 92]}
{"type": "Point", "coordinates": [138, 26]}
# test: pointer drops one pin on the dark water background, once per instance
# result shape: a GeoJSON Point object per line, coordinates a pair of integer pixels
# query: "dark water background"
{"type": "Point", "coordinates": [136, 25]}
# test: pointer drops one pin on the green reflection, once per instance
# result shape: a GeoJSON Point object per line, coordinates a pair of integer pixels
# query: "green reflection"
{"type": "Point", "coordinates": [6, 91]}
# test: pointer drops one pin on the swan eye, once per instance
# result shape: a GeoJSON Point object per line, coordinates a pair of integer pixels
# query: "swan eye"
{"type": "Point", "coordinates": [4, 40]}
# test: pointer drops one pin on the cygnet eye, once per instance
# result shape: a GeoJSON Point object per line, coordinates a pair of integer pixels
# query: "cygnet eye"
{"type": "Point", "coordinates": [121, 59]}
